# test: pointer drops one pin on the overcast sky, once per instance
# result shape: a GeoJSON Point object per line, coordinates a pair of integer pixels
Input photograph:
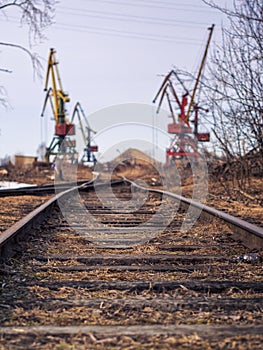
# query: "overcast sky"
{"type": "Point", "coordinates": [110, 52]}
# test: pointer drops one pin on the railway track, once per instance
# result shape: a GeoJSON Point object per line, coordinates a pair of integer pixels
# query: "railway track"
{"type": "Point", "coordinates": [85, 285]}
{"type": "Point", "coordinates": [38, 190]}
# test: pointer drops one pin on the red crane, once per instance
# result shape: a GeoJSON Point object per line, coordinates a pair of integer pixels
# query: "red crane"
{"type": "Point", "coordinates": [184, 141]}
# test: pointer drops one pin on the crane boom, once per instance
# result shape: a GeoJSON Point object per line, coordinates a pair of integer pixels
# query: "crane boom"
{"type": "Point", "coordinates": [59, 96]}
{"type": "Point", "coordinates": [76, 111]}
{"type": "Point", "coordinates": [89, 149]}
{"type": "Point", "coordinates": [211, 29]}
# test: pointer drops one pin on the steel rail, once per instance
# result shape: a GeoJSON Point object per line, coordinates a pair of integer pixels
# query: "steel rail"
{"type": "Point", "coordinates": [10, 238]}
{"type": "Point", "coordinates": [250, 235]}
{"type": "Point", "coordinates": [41, 189]}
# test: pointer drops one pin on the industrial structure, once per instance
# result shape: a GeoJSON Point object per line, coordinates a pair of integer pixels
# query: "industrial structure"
{"type": "Point", "coordinates": [62, 143]}
{"type": "Point", "coordinates": [184, 139]}
{"type": "Point", "coordinates": [89, 148]}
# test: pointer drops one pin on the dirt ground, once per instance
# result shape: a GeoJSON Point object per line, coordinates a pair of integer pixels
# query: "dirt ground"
{"type": "Point", "coordinates": [44, 175]}
{"type": "Point", "coordinates": [15, 208]}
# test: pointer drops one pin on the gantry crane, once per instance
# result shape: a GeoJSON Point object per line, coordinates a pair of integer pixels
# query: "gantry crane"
{"type": "Point", "coordinates": [61, 143]}
{"type": "Point", "coordinates": [184, 142]}
{"type": "Point", "coordinates": [86, 132]}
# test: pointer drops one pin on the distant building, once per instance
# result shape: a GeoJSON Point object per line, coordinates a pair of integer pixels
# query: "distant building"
{"type": "Point", "coordinates": [24, 161]}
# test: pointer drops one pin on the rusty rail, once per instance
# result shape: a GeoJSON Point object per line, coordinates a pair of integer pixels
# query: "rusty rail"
{"type": "Point", "coordinates": [11, 237]}
{"type": "Point", "coordinates": [42, 189]}
{"type": "Point", "coordinates": [250, 235]}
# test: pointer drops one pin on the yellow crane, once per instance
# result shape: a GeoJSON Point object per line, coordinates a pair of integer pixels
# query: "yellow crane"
{"type": "Point", "coordinates": [61, 143]}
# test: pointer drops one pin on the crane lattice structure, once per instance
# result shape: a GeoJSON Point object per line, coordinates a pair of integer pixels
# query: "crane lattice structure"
{"type": "Point", "coordinates": [61, 144]}
{"type": "Point", "coordinates": [86, 132]}
{"type": "Point", "coordinates": [184, 140]}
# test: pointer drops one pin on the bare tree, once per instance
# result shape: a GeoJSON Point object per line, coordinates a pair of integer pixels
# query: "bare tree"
{"type": "Point", "coordinates": [236, 81]}
{"type": "Point", "coordinates": [236, 9]}
{"type": "Point", "coordinates": [36, 15]}
{"type": "Point", "coordinates": [235, 86]}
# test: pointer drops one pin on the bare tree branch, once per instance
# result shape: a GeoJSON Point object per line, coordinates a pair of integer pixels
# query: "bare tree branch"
{"type": "Point", "coordinates": [37, 15]}
{"type": "Point", "coordinates": [235, 81]}
{"type": "Point", "coordinates": [36, 64]}
{"type": "Point", "coordinates": [236, 11]}
{"type": "Point", "coordinates": [5, 70]}
{"type": "Point", "coordinates": [3, 97]}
